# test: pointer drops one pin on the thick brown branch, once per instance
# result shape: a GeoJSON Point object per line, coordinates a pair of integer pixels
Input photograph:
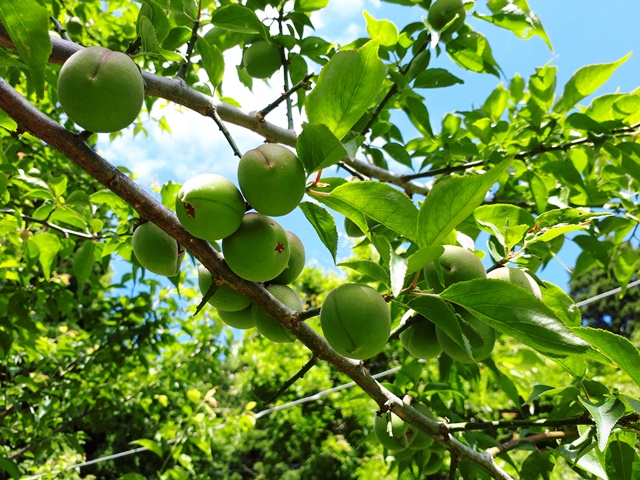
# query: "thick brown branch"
{"type": "Point", "coordinates": [32, 120]}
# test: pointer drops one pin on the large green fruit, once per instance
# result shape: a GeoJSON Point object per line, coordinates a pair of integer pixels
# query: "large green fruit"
{"type": "Point", "coordinates": [517, 277]}
{"type": "Point", "coordinates": [458, 264]}
{"type": "Point", "coordinates": [261, 59]}
{"type": "Point", "coordinates": [269, 326]}
{"type": "Point", "coordinates": [272, 179]}
{"type": "Point", "coordinates": [259, 250]}
{"type": "Point", "coordinates": [417, 438]}
{"type": "Point", "coordinates": [391, 431]}
{"type": "Point", "coordinates": [210, 207]}
{"type": "Point", "coordinates": [241, 319]}
{"type": "Point", "coordinates": [356, 320]}
{"type": "Point", "coordinates": [100, 90]}
{"type": "Point", "coordinates": [444, 11]}
{"type": "Point", "coordinates": [297, 259]}
{"type": "Point", "coordinates": [420, 339]}
{"type": "Point", "coordinates": [225, 298]}
{"type": "Point", "coordinates": [481, 337]}
{"type": "Point", "coordinates": [156, 250]}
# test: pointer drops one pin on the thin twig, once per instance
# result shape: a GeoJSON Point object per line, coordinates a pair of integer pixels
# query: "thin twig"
{"type": "Point", "coordinates": [52, 226]}
{"type": "Point", "coordinates": [515, 424]}
{"type": "Point", "coordinates": [182, 73]}
{"type": "Point", "coordinates": [57, 26]}
{"type": "Point", "coordinates": [301, 373]}
{"type": "Point", "coordinates": [223, 128]}
{"type": "Point", "coordinates": [453, 467]}
{"type": "Point", "coordinates": [314, 312]}
{"type": "Point", "coordinates": [285, 70]}
{"type": "Point", "coordinates": [394, 88]}
{"type": "Point", "coordinates": [443, 171]}
{"type": "Point", "coordinates": [395, 333]}
{"type": "Point", "coordinates": [304, 83]}
{"type": "Point", "coordinates": [207, 296]}
{"type": "Point", "coordinates": [538, 437]}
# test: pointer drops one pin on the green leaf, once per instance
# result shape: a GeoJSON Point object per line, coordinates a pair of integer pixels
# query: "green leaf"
{"type": "Point", "coordinates": [496, 103]}
{"type": "Point", "coordinates": [7, 122]}
{"type": "Point", "coordinates": [419, 115]}
{"type": "Point", "coordinates": [626, 265]}
{"type": "Point", "coordinates": [606, 414]}
{"type": "Point", "coordinates": [419, 259]}
{"type": "Point", "coordinates": [49, 246]}
{"type": "Point", "coordinates": [436, 78]}
{"type": "Point", "coordinates": [27, 24]}
{"type": "Point", "coordinates": [212, 61]}
{"type": "Point", "coordinates": [562, 305]}
{"type": "Point", "coordinates": [10, 467]}
{"type": "Point", "coordinates": [471, 50]}
{"type": "Point", "coordinates": [584, 82]}
{"type": "Point", "coordinates": [451, 201]}
{"type": "Point", "coordinates": [515, 15]}
{"type": "Point", "coordinates": [346, 88]}
{"type": "Point", "coordinates": [382, 31]}
{"type": "Point", "coordinates": [397, 272]}
{"type": "Point", "coordinates": [504, 382]}
{"type": "Point", "coordinates": [157, 17]}
{"type": "Point", "coordinates": [622, 461]}
{"type": "Point", "coordinates": [557, 222]}
{"type": "Point", "coordinates": [442, 316]}
{"type": "Point", "coordinates": [368, 268]}
{"type": "Point", "coordinates": [318, 148]}
{"type": "Point", "coordinates": [537, 465]}
{"type": "Point", "coordinates": [149, 445]}
{"type": "Point", "coordinates": [169, 193]}
{"type": "Point", "coordinates": [309, 5]}
{"type": "Point", "coordinates": [194, 396]}
{"type": "Point", "coordinates": [324, 224]}
{"type": "Point", "coordinates": [620, 350]}
{"type": "Point", "coordinates": [150, 44]}
{"type": "Point", "coordinates": [516, 312]}
{"type": "Point", "coordinates": [382, 203]}
{"type": "Point", "coordinates": [503, 215]}
{"type": "Point", "coordinates": [83, 263]}
{"type": "Point", "coordinates": [238, 19]}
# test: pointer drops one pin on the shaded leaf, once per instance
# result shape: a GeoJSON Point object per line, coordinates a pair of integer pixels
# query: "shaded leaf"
{"type": "Point", "coordinates": [48, 246]}
{"type": "Point", "coordinates": [212, 61]}
{"type": "Point", "coordinates": [149, 445]}
{"type": "Point", "coordinates": [83, 263]}
{"type": "Point", "coordinates": [605, 414]}
{"type": "Point", "coordinates": [318, 148]}
{"type": "Point", "coordinates": [324, 224]}
{"type": "Point", "coordinates": [471, 50]}
{"type": "Point", "coordinates": [622, 461]}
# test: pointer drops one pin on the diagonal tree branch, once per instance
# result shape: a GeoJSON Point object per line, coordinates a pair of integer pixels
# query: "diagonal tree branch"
{"type": "Point", "coordinates": [31, 120]}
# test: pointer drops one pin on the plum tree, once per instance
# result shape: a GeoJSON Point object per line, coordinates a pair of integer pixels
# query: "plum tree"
{"type": "Point", "coordinates": [442, 12]}
{"type": "Point", "coordinates": [481, 336]}
{"type": "Point", "coordinates": [258, 250]}
{"type": "Point", "coordinates": [457, 264]}
{"type": "Point", "coordinates": [517, 277]}
{"type": "Point", "coordinates": [272, 179]}
{"type": "Point", "coordinates": [156, 250]}
{"type": "Point", "coordinates": [225, 298]}
{"type": "Point", "coordinates": [241, 319]}
{"type": "Point", "coordinates": [355, 320]}
{"type": "Point", "coordinates": [261, 59]}
{"type": "Point", "coordinates": [420, 339]}
{"type": "Point", "coordinates": [270, 327]}
{"type": "Point", "coordinates": [297, 259]}
{"type": "Point", "coordinates": [100, 90]}
{"type": "Point", "coordinates": [210, 207]}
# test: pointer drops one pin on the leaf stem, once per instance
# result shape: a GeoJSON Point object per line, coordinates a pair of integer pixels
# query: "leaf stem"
{"type": "Point", "coordinates": [301, 373]}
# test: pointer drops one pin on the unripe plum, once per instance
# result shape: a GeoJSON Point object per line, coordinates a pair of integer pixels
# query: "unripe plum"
{"type": "Point", "coordinates": [443, 11]}
{"type": "Point", "coordinates": [225, 298]}
{"type": "Point", "coordinates": [433, 465]}
{"type": "Point", "coordinates": [297, 259]}
{"type": "Point", "coordinates": [356, 320]}
{"type": "Point", "coordinates": [74, 26]}
{"type": "Point", "coordinates": [458, 264]}
{"type": "Point", "coordinates": [272, 179]}
{"type": "Point", "coordinates": [417, 438]}
{"type": "Point", "coordinates": [397, 438]}
{"type": "Point", "coordinates": [269, 326]}
{"type": "Point", "coordinates": [517, 277]}
{"type": "Point", "coordinates": [156, 250]}
{"type": "Point", "coordinates": [258, 250]}
{"type": "Point", "coordinates": [209, 206]}
{"type": "Point", "coordinates": [100, 90]}
{"type": "Point", "coordinates": [420, 339]}
{"type": "Point", "coordinates": [241, 319]}
{"type": "Point", "coordinates": [261, 59]}
{"type": "Point", "coordinates": [481, 338]}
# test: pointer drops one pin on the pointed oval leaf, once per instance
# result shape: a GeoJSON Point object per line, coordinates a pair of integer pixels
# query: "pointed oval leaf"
{"type": "Point", "coordinates": [622, 461]}
{"type": "Point", "coordinates": [324, 224]}
{"type": "Point", "coordinates": [606, 414]}
{"type": "Point", "coordinates": [238, 18]}
{"type": "Point", "coordinates": [318, 148]}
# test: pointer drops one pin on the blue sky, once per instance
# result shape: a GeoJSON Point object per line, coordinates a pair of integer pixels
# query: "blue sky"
{"type": "Point", "coordinates": [581, 32]}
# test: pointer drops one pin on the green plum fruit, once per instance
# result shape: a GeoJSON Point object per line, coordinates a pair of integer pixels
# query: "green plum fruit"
{"type": "Point", "coordinates": [458, 264]}
{"type": "Point", "coordinates": [481, 338]}
{"type": "Point", "coordinates": [210, 207]}
{"type": "Point", "coordinates": [156, 250]}
{"type": "Point", "coordinates": [258, 250]}
{"type": "Point", "coordinates": [420, 339]}
{"type": "Point", "coordinates": [356, 321]}
{"type": "Point", "coordinates": [269, 326]}
{"type": "Point", "coordinates": [433, 465]}
{"type": "Point", "coordinates": [261, 59]}
{"type": "Point", "coordinates": [391, 431]}
{"type": "Point", "coordinates": [225, 298]}
{"type": "Point", "coordinates": [100, 90]}
{"type": "Point", "coordinates": [74, 26]}
{"type": "Point", "coordinates": [241, 319]}
{"type": "Point", "coordinates": [296, 263]}
{"type": "Point", "coordinates": [417, 438]}
{"type": "Point", "coordinates": [272, 179]}
{"type": "Point", "coordinates": [517, 277]}
{"type": "Point", "coordinates": [444, 11]}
